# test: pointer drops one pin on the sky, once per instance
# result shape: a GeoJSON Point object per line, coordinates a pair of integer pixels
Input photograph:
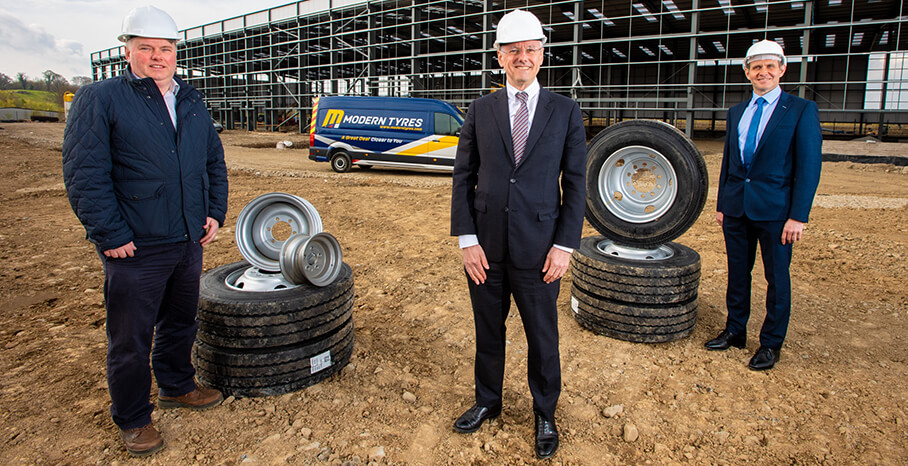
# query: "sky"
{"type": "Point", "coordinates": [60, 35]}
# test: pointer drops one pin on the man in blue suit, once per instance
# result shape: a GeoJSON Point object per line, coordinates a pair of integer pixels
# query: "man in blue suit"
{"type": "Point", "coordinates": [517, 207]}
{"type": "Point", "coordinates": [770, 172]}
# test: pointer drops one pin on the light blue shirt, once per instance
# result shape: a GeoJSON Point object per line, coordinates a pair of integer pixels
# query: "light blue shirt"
{"type": "Point", "coordinates": [772, 98]}
{"type": "Point", "coordinates": [170, 98]}
{"type": "Point", "coordinates": [465, 241]}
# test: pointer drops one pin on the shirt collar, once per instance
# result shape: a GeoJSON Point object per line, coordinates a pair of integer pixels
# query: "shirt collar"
{"type": "Point", "coordinates": [770, 97]}
{"type": "Point", "coordinates": [174, 85]}
{"type": "Point", "coordinates": [532, 91]}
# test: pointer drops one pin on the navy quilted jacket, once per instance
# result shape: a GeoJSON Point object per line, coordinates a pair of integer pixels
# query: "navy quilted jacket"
{"type": "Point", "coordinates": [130, 176]}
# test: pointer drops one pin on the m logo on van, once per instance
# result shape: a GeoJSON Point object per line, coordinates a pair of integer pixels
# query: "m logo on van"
{"type": "Point", "coordinates": [333, 118]}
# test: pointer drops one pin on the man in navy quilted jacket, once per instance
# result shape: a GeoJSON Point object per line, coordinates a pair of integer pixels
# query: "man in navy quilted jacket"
{"type": "Point", "coordinates": [145, 174]}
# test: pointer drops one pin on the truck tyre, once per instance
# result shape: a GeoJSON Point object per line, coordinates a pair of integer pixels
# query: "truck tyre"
{"type": "Point", "coordinates": [646, 183]}
{"type": "Point", "coordinates": [258, 373]}
{"type": "Point", "coordinates": [324, 319]}
{"type": "Point", "coordinates": [642, 293]}
{"type": "Point", "coordinates": [262, 343]}
{"type": "Point", "coordinates": [340, 162]}
{"type": "Point", "coordinates": [227, 306]}
{"type": "Point", "coordinates": [647, 296]}
{"type": "Point", "coordinates": [681, 262]}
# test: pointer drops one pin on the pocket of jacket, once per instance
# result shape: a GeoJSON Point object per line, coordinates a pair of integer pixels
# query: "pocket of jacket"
{"type": "Point", "coordinates": [479, 204]}
{"type": "Point", "coordinates": [144, 206]}
{"type": "Point", "coordinates": [547, 215]}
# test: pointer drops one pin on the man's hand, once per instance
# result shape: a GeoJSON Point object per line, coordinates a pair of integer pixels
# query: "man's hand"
{"type": "Point", "coordinates": [211, 231]}
{"type": "Point", "coordinates": [474, 261]}
{"type": "Point", "coordinates": [792, 231]}
{"type": "Point", "coordinates": [720, 217]}
{"type": "Point", "coordinates": [121, 252]}
{"type": "Point", "coordinates": [556, 264]}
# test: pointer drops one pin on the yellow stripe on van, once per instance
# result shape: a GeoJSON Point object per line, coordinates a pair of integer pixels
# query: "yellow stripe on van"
{"type": "Point", "coordinates": [313, 121]}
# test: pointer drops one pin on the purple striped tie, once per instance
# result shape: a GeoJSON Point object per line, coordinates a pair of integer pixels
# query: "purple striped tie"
{"type": "Point", "coordinates": [521, 127]}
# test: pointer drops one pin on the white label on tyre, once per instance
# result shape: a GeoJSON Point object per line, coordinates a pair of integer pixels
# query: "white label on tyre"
{"type": "Point", "coordinates": [574, 304]}
{"type": "Point", "coordinates": [320, 362]}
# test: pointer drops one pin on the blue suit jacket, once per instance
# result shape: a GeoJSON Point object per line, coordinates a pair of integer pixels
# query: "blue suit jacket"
{"type": "Point", "coordinates": [785, 172]}
{"type": "Point", "coordinates": [520, 211]}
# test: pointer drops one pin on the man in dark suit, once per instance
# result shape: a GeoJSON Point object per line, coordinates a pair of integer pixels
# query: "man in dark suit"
{"type": "Point", "coordinates": [517, 207]}
{"type": "Point", "coordinates": [770, 172]}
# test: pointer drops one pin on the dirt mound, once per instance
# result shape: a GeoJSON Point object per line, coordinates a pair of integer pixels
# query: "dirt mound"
{"type": "Point", "coordinates": [837, 396]}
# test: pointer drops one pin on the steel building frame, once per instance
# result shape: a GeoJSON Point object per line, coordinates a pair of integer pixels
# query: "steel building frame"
{"type": "Point", "coordinates": [674, 60]}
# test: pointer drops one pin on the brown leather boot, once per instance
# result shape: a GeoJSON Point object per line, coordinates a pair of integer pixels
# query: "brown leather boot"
{"type": "Point", "coordinates": [198, 399]}
{"type": "Point", "coordinates": [142, 441]}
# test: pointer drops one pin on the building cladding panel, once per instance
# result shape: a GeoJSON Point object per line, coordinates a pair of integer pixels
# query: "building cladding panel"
{"type": "Point", "coordinates": [674, 60]}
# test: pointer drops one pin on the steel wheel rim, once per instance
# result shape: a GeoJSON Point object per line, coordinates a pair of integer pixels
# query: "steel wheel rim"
{"type": "Point", "coordinates": [620, 193]}
{"type": "Point", "coordinates": [254, 227]}
{"type": "Point", "coordinates": [288, 262]}
{"type": "Point", "coordinates": [316, 259]}
{"type": "Point", "coordinates": [252, 279]}
{"type": "Point", "coordinates": [609, 248]}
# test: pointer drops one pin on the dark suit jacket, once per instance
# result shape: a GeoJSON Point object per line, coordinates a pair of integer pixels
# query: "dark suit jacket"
{"type": "Point", "coordinates": [520, 211]}
{"type": "Point", "coordinates": [785, 172]}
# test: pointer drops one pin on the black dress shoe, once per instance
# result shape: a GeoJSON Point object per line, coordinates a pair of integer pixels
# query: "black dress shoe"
{"type": "Point", "coordinates": [546, 437]}
{"type": "Point", "coordinates": [764, 359]}
{"type": "Point", "coordinates": [725, 340]}
{"type": "Point", "coordinates": [473, 418]}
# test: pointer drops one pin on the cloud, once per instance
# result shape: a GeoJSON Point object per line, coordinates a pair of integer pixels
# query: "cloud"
{"type": "Point", "coordinates": [30, 49]}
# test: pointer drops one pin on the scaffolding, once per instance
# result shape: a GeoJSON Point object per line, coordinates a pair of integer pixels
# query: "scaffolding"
{"type": "Point", "coordinates": [673, 60]}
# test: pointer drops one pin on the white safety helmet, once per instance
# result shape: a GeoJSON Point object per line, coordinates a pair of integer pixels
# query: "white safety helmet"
{"type": "Point", "coordinates": [765, 50]}
{"type": "Point", "coordinates": [150, 22]}
{"type": "Point", "coordinates": [518, 26]}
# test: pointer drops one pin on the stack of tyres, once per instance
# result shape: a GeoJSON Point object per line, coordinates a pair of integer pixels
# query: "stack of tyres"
{"type": "Point", "coordinates": [635, 299]}
{"type": "Point", "coordinates": [264, 343]}
{"type": "Point", "coordinates": [646, 184]}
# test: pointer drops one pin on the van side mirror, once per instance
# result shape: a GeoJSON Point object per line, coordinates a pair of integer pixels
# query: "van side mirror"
{"type": "Point", "coordinates": [457, 133]}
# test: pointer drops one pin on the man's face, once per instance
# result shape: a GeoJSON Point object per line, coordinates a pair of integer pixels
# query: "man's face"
{"type": "Point", "coordinates": [764, 74]}
{"type": "Point", "coordinates": [521, 62]}
{"type": "Point", "coordinates": [152, 58]}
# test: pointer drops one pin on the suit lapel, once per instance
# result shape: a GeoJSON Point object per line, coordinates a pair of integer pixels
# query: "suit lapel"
{"type": "Point", "coordinates": [777, 115]}
{"type": "Point", "coordinates": [540, 119]}
{"type": "Point", "coordinates": [734, 118]}
{"type": "Point", "coordinates": [503, 120]}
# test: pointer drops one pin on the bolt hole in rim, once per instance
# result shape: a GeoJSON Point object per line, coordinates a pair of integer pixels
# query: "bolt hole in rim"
{"type": "Point", "coordinates": [263, 223]}
{"type": "Point", "coordinates": [316, 259]}
{"type": "Point", "coordinates": [637, 184]}
{"type": "Point", "coordinates": [609, 248]}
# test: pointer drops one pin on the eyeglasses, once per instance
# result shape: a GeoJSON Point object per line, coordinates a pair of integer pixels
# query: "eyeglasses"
{"type": "Point", "coordinates": [515, 51]}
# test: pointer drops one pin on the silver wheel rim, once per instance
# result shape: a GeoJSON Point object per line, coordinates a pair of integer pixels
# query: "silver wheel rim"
{"type": "Point", "coordinates": [255, 227]}
{"type": "Point", "coordinates": [637, 184]}
{"type": "Point", "coordinates": [316, 259]}
{"type": "Point", "coordinates": [609, 248]}
{"type": "Point", "coordinates": [253, 279]}
{"type": "Point", "coordinates": [340, 162]}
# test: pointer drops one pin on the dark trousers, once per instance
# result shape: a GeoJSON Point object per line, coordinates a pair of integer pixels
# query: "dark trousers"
{"type": "Point", "coordinates": [536, 302]}
{"type": "Point", "coordinates": [151, 297]}
{"type": "Point", "coordinates": [741, 237]}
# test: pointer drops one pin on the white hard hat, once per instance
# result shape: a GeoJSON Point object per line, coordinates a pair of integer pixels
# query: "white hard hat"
{"type": "Point", "coordinates": [518, 26]}
{"type": "Point", "coordinates": [150, 22]}
{"type": "Point", "coordinates": [765, 50]}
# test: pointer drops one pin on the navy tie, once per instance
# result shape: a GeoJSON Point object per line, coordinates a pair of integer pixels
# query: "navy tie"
{"type": "Point", "coordinates": [750, 144]}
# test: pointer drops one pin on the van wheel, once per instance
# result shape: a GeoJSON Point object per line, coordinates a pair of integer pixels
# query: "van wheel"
{"type": "Point", "coordinates": [340, 162]}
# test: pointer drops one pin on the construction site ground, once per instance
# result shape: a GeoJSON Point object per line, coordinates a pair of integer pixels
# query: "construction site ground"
{"type": "Point", "coordinates": [837, 396]}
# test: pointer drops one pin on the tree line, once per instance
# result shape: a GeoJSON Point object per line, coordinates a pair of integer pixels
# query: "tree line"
{"type": "Point", "coordinates": [49, 81]}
